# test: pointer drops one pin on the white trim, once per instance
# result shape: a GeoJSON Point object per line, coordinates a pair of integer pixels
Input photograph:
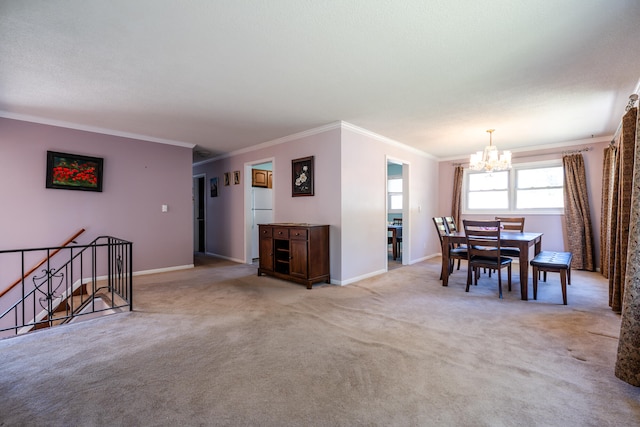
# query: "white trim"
{"type": "Point", "coordinates": [104, 131]}
{"type": "Point", "coordinates": [292, 137]}
{"type": "Point", "coordinates": [239, 261]}
{"type": "Point", "coordinates": [585, 141]}
{"type": "Point", "coordinates": [357, 278]}
{"type": "Point", "coordinates": [162, 270]}
{"type": "Point", "coordinates": [315, 131]}
{"type": "Point", "coordinates": [384, 139]}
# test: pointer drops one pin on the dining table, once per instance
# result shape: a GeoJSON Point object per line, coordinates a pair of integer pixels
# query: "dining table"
{"type": "Point", "coordinates": [509, 239]}
{"type": "Point", "coordinates": [396, 232]}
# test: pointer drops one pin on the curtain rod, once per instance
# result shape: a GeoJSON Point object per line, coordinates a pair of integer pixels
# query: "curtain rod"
{"type": "Point", "coordinates": [565, 152]}
{"type": "Point", "coordinates": [580, 150]}
{"type": "Point", "coordinates": [632, 102]}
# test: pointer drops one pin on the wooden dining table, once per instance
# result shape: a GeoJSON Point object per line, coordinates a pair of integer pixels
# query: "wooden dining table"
{"type": "Point", "coordinates": [510, 239]}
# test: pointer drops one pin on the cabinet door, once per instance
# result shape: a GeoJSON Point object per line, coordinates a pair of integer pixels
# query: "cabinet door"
{"type": "Point", "coordinates": [259, 178]}
{"type": "Point", "coordinates": [298, 263]}
{"type": "Point", "coordinates": [266, 253]}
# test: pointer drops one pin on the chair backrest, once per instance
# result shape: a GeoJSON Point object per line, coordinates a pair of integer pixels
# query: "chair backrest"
{"type": "Point", "coordinates": [440, 226]}
{"type": "Point", "coordinates": [451, 224]}
{"type": "Point", "coordinates": [483, 238]}
{"type": "Point", "coordinates": [511, 224]}
{"type": "Point", "coordinates": [397, 221]}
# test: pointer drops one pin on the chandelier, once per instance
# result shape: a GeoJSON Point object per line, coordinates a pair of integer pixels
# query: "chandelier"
{"type": "Point", "coordinates": [489, 160]}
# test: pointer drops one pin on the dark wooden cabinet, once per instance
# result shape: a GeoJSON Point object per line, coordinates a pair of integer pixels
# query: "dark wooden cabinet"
{"type": "Point", "coordinates": [295, 252]}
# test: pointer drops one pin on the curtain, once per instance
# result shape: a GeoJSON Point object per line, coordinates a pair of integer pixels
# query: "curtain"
{"type": "Point", "coordinates": [576, 212]}
{"type": "Point", "coordinates": [608, 169]}
{"type": "Point", "coordinates": [456, 201]}
{"type": "Point", "coordinates": [628, 360]}
{"type": "Point", "coordinates": [621, 209]}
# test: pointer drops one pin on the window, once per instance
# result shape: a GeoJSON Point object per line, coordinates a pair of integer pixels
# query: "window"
{"type": "Point", "coordinates": [526, 188]}
{"type": "Point", "coordinates": [394, 192]}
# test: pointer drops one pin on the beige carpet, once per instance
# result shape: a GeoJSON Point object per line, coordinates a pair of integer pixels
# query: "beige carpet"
{"type": "Point", "coordinates": [217, 345]}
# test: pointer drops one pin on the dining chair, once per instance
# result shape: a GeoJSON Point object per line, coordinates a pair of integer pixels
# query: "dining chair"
{"type": "Point", "coordinates": [458, 253]}
{"type": "Point", "coordinates": [397, 221]}
{"type": "Point", "coordinates": [484, 251]}
{"type": "Point", "coordinates": [450, 223]}
{"type": "Point", "coordinates": [511, 224]}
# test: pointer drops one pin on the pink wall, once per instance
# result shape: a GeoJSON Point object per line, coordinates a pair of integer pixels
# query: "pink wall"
{"type": "Point", "coordinates": [364, 196]}
{"type": "Point", "coordinates": [226, 215]}
{"type": "Point", "coordinates": [552, 226]}
{"type": "Point", "coordinates": [139, 177]}
{"type": "Point", "coordinates": [350, 196]}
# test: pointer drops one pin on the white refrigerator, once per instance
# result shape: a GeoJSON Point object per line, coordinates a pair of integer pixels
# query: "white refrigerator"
{"type": "Point", "coordinates": [261, 212]}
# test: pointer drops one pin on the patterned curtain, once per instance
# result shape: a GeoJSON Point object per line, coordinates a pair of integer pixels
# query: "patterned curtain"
{"type": "Point", "coordinates": [628, 360]}
{"type": "Point", "coordinates": [456, 201]}
{"type": "Point", "coordinates": [608, 169]}
{"type": "Point", "coordinates": [576, 212]}
{"type": "Point", "coordinates": [620, 220]}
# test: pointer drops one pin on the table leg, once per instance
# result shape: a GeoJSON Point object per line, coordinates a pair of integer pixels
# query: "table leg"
{"type": "Point", "coordinates": [445, 264]}
{"type": "Point", "coordinates": [394, 243]}
{"type": "Point", "coordinates": [524, 271]}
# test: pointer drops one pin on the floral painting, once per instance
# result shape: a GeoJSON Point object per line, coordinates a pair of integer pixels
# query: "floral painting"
{"type": "Point", "coordinates": [302, 176]}
{"type": "Point", "coordinates": [74, 172]}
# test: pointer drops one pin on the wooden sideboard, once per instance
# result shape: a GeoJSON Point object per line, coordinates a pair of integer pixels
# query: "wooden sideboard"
{"type": "Point", "coordinates": [295, 252]}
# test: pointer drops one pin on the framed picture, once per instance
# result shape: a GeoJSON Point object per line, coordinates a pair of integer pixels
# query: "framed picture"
{"type": "Point", "coordinates": [236, 177]}
{"type": "Point", "coordinates": [226, 178]}
{"type": "Point", "coordinates": [74, 172]}
{"type": "Point", "coordinates": [213, 184]}
{"type": "Point", "coordinates": [302, 177]}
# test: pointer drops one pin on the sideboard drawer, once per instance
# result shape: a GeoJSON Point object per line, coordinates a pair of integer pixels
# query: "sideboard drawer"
{"type": "Point", "coordinates": [266, 231]}
{"type": "Point", "coordinates": [298, 233]}
{"type": "Point", "coordinates": [280, 233]}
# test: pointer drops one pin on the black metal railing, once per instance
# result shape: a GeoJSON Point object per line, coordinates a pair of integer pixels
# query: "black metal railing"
{"type": "Point", "coordinates": [70, 281]}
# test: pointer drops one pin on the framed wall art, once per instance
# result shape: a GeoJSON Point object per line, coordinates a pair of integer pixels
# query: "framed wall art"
{"type": "Point", "coordinates": [213, 184]}
{"type": "Point", "coordinates": [302, 177]}
{"type": "Point", "coordinates": [73, 172]}
{"type": "Point", "coordinates": [236, 177]}
{"type": "Point", "coordinates": [226, 178]}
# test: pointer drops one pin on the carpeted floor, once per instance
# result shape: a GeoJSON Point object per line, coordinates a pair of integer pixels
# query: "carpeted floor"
{"type": "Point", "coordinates": [217, 345]}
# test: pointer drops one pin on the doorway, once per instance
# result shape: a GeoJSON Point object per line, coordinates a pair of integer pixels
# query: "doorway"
{"type": "Point", "coordinates": [199, 214]}
{"type": "Point", "coordinates": [397, 213]}
{"type": "Point", "coordinates": [259, 202]}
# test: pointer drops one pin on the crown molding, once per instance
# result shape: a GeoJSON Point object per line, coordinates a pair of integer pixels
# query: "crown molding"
{"type": "Point", "coordinates": [384, 139]}
{"type": "Point", "coordinates": [584, 141]}
{"type": "Point", "coordinates": [104, 131]}
{"type": "Point", "coordinates": [282, 140]}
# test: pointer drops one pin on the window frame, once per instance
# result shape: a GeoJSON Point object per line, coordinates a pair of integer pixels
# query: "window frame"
{"type": "Point", "coordinates": [511, 189]}
{"type": "Point", "coordinates": [392, 193]}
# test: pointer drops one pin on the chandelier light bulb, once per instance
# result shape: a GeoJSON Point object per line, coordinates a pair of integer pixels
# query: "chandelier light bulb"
{"type": "Point", "coordinates": [490, 160]}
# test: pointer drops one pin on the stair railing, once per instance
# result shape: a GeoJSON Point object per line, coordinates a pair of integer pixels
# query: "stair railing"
{"type": "Point", "coordinates": [80, 280]}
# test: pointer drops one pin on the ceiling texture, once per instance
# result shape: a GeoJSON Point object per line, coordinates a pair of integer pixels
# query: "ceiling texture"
{"type": "Point", "coordinates": [224, 75]}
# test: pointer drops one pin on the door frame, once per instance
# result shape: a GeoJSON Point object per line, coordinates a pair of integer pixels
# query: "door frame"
{"type": "Point", "coordinates": [247, 202]}
{"type": "Point", "coordinates": [406, 219]}
{"type": "Point", "coordinates": [196, 201]}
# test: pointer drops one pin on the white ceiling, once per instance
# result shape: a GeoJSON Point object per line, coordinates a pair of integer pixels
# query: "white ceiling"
{"type": "Point", "coordinates": [228, 74]}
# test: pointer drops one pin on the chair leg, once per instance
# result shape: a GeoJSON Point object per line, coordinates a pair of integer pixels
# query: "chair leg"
{"type": "Point", "coordinates": [563, 282]}
{"type": "Point", "coordinates": [458, 263]}
{"type": "Point", "coordinates": [536, 274]}
{"type": "Point", "coordinates": [499, 282]}
{"type": "Point", "coordinates": [468, 279]}
{"type": "Point", "coordinates": [509, 276]}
